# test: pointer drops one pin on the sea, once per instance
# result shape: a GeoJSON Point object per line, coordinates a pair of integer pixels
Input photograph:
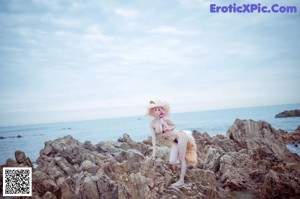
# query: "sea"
{"type": "Point", "coordinates": [31, 138]}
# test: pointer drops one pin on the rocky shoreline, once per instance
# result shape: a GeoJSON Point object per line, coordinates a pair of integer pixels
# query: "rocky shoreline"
{"type": "Point", "coordinates": [18, 136]}
{"type": "Point", "coordinates": [251, 161]}
{"type": "Point", "coordinates": [291, 113]}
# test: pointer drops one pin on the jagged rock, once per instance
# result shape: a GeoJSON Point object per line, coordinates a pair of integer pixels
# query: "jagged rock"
{"type": "Point", "coordinates": [292, 137]}
{"type": "Point", "coordinates": [235, 169]}
{"type": "Point", "coordinates": [212, 159]}
{"type": "Point", "coordinates": [22, 159]}
{"type": "Point", "coordinates": [250, 161]}
{"type": "Point", "coordinates": [48, 195]}
{"type": "Point", "coordinates": [290, 113]}
{"type": "Point", "coordinates": [253, 136]}
{"type": "Point", "coordinates": [11, 163]}
{"type": "Point", "coordinates": [277, 185]}
{"type": "Point", "coordinates": [89, 167]}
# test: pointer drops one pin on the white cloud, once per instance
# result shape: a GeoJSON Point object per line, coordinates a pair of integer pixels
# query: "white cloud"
{"type": "Point", "coordinates": [127, 13]}
{"type": "Point", "coordinates": [97, 37]}
{"type": "Point", "coordinates": [64, 22]}
{"type": "Point", "coordinates": [94, 63]}
{"type": "Point", "coordinates": [170, 30]}
{"type": "Point", "coordinates": [204, 4]}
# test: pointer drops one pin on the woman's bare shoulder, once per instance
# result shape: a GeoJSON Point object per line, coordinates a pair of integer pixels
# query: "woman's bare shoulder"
{"type": "Point", "coordinates": [165, 118]}
{"type": "Point", "coordinates": [153, 122]}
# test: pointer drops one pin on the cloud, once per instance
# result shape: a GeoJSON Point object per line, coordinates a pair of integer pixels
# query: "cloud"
{"type": "Point", "coordinates": [170, 31]}
{"type": "Point", "coordinates": [196, 4]}
{"type": "Point", "coordinates": [64, 22]}
{"type": "Point", "coordinates": [99, 56]}
{"type": "Point", "coordinates": [97, 37]}
{"type": "Point", "coordinates": [127, 13]}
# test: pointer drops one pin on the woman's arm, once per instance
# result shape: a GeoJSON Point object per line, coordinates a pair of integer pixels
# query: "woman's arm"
{"type": "Point", "coordinates": [168, 125]}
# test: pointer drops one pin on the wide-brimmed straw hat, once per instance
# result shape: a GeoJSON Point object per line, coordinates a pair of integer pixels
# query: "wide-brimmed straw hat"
{"type": "Point", "coordinates": [158, 103]}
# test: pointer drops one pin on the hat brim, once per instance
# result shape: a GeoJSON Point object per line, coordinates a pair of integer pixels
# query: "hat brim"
{"type": "Point", "coordinates": [162, 105]}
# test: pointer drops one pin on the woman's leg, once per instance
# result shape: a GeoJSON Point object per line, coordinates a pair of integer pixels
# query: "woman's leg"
{"type": "Point", "coordinates": [174, 154]}
{"type": "Point", "coordinates": [182, 142]}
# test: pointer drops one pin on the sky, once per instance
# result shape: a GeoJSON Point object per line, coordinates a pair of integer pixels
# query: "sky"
{"type": "Point", "coordinates": [68, 60]}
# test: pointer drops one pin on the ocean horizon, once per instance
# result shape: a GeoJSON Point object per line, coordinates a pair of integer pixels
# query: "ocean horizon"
{"type": "Point", "coordinates": [31, 138]}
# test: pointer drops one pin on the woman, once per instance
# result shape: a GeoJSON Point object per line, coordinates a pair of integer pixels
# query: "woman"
{"type": "Point", "coordinates": [183, 149]}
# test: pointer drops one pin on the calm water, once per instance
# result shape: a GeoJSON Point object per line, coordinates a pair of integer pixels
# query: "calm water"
{"type": "Point", "coordinates": [212, 122]}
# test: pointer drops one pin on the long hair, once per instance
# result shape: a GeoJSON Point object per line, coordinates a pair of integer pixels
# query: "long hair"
{"type": "Point", "coordinates": [163, 113]}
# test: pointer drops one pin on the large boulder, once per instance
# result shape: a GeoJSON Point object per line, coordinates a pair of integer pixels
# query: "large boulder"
{"type": "Point", "coordinates": [260, 139]}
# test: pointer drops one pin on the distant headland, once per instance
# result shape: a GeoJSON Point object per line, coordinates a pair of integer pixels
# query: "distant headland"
{"type": "Point", "coordinates": [290, 113]}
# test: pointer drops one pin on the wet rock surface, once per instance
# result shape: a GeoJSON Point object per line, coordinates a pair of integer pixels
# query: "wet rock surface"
{"type": "Point", "coordinates": [251, 161]}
